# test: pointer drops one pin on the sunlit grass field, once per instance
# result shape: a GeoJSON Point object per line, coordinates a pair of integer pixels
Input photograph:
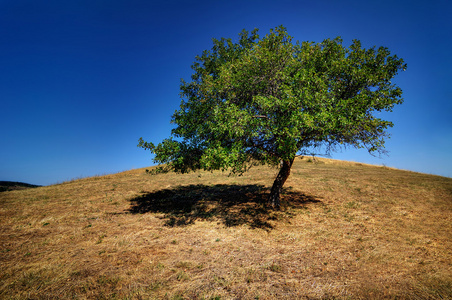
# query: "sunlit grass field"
{"type": "Point", "coordinates": [345, 231]}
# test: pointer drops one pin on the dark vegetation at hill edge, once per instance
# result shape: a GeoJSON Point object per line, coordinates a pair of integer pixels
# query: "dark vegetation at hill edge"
{"type": "Point", "coordinates": [12, 185]}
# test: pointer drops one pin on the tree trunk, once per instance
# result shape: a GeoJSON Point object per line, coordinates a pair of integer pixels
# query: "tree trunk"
{"type": "Point", "coordinates": [281, 178]}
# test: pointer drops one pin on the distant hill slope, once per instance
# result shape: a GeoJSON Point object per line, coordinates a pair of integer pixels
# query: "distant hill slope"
{"type": "Point", "coordinates": [12, 185]}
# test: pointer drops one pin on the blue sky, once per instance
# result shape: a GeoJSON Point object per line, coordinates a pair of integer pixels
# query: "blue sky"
{"type": "Point", "coordinates": [81, 81]}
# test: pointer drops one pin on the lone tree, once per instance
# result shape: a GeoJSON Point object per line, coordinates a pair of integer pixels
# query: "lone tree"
{"type": "Point", "coordinates": [268, 100]}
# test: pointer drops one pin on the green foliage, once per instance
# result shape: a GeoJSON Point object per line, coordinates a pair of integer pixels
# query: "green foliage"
{"type": "Point", "coordinates": [268, 99]}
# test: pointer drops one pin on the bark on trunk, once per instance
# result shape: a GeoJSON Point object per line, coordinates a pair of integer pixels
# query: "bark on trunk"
{"type": "Point", "coordinates": [275, 193]}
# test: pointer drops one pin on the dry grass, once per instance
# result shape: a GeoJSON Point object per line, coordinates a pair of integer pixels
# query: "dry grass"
{"type": "Point", "coordinates": [346, 231]}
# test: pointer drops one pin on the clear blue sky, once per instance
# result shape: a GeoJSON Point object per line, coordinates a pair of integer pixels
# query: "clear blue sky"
{"type": "Point", "coordinates": [81, 81]}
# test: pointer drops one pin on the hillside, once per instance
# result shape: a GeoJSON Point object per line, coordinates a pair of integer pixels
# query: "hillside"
{"type": "Point", "coordinates": [12, 185]}
{"type": "Point", "coordinates": [345, 231]}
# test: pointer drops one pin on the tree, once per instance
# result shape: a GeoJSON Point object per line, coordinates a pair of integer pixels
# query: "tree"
{"type": "Point", "coordinates": [268, 100]}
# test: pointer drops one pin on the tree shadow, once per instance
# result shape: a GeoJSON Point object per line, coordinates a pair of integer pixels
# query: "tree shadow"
{"type": "Point", "coordinates": [232, 205]}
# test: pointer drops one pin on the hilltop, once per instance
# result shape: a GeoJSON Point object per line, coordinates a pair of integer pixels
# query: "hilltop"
{"type": "Point", "coordinates": [346, 231]}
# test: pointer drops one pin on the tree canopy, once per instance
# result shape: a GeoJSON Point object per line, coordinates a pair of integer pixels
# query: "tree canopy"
{"type": "Point", "coordinates": [270, 99]}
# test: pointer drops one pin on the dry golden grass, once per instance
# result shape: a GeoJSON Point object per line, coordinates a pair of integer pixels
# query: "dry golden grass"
{"type": "Point", "coordinates": [346, 231]}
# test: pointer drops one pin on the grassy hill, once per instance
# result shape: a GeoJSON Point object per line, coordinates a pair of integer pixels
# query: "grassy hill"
{"type": "Point", "coordinates": [345, 231]}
